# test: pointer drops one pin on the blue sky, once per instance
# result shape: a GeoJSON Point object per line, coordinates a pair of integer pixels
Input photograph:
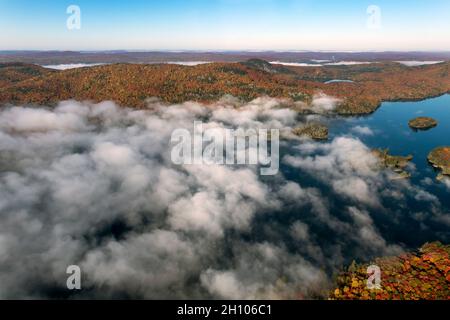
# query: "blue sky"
{"type": "Point", "coordinates": [226, 25]}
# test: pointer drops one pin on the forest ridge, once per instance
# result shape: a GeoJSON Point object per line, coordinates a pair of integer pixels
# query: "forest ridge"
{"type": "Point", "coordinates": [131, 84]}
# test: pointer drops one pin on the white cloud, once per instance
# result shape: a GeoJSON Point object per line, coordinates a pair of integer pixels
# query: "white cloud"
{"type": "Point", "coordinates": [425, 196]}
{"type": "Point", "coordinates": [356, 188]}
{"type": "Point", "coordinates": [188, 63]}
{"type": "Point", "coordinates": [363, 130]}
{"type": "Point", "coordinates": [72, 66]}
{"type": "Point", "coordinates": [78, 169]}
{"type": "Point", "coordinates": [322, 103]}
{"type": "Point", "coordinates": [348, 63]}
{"type": "Point", "coordinates": [145, 265]}
{"type": "Point", "coordinates": [418, 63]}
{"type": "Point", "coordinates": [297, 64]}
{"type": "Point", "coordinates": [300, 231]}
{"type": "Point", "coordinates": [39, 120]}
{"type": "Point", "coordinates": [446, 181]}
{"type": "Point", "coordinates": [257, 276]}
{"type": "Point", "coordinates": [343, 156]}
{"type": "Point", "coordinates": [93, 185]}
{"type": "Point", "coordinates": [305, 64]}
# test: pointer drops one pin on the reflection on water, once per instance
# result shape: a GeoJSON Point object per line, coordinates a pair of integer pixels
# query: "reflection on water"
{"type": "Point", "coordinates": [388, 128]}
{"type": "Point", "coordinates": [411, 212]}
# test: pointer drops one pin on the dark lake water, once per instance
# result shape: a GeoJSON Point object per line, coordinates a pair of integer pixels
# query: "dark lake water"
{"type": "Point", "coordinates": [409, 222]}
{"type": "Point", "coordinates": [390, 130]}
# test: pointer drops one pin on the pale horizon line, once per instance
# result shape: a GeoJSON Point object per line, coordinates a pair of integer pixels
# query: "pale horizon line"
{"type": "Point", "coordinates": [225, 50]}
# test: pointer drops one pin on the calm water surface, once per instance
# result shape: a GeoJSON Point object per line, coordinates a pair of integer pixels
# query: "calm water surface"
{"type": "Point", "coordinates": [390, 130]}
{"type": "Point", "coordinates": [408, 223]}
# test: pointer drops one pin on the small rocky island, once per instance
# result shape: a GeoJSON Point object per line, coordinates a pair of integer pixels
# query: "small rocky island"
{"type": "Point", "coordinates": [312, 130]}
{"type": "Point", "coordinates": [440, 159]}
{"type": "Point", "coordinates": [394, 163]}
{"type": "Point", "coordinates": [422, 123]}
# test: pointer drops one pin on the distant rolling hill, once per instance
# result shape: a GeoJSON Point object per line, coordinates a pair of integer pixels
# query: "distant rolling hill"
{"type": "Point", "coordinates": [131, 84]}
{"type": "Point", "coordinates": [123, 56]}
{"type": "Point", "coordinates": [11, 73]}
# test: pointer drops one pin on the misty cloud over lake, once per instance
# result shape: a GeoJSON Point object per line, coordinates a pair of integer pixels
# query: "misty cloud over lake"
{"type": "Point", "coordinates": [93, 185]}
{"type": "Point", "coordinates": [72, 66]}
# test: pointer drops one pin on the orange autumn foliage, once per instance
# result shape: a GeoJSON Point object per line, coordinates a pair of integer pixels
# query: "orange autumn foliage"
{"type": "Point", "coordinates": [131, 84]}
{"type": "Point", "coordinates": [424, 275]}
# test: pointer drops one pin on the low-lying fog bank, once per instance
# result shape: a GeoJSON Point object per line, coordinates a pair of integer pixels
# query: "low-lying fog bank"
{"type": "Point", "coordinates": [94, 186]}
